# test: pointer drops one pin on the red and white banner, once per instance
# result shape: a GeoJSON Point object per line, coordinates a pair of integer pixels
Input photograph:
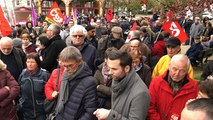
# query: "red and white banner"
{"type": "Point", "coordinates": [132, 29]}
{"type": "Point", "coordinates": [5, 28]}
{"type": "Point", "coordinates": [55, 15]}
{"type": "Point", "coordinates": [175, 30]}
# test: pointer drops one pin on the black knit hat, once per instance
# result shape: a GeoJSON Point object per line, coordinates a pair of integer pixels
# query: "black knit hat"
{"type": "Point", "coordinates": [89, 27]}
{"type": "Point", "coordinates": [173, 41]}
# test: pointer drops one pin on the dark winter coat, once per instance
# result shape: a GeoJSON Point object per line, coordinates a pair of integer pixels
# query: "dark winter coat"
{"type": "Point", "coordinates": [7, 107]}
{"type": "Point", "coordinates": [82, 102]}
{"type": "Point", "coordinates": [19, 57]}
{"type": "Point", "coordinates": [51, 52]}
{"type": "Point", "coordinates": [89, 55]}
{"type": "Point", "coordinates": [108, 42]}
{"type": "Point", "coordinates": [32, 93]}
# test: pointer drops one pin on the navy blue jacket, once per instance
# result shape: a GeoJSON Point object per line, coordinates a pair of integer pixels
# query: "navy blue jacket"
{"type": "Point", "coordinates": [89, 55]}
{"type": "Point", "coordinates": [32, 93]}
{"type": "Point", "coordinates": [82, 102]}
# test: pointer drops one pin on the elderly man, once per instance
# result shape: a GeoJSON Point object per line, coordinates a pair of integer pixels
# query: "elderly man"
{"type": "Point", "coordinates": [170, 91]}
{"type": "Point", "coordinates": [130, 97]}
{"type": "Point", "coordinates": [195, 30]}
{"type": "Point", "coordinates": [12, 57]}
{"type": "Point", "coordinates": [135, 43]}
{"type": "Point", "coordinates": [78, 39]}
{"type": "Point", "coordinates": [77, 98]}
{"type": "Point", "coordinates": [113, 40]}
{"type": "Point", "coordinates": [173, 48]}
{"type": "Point", "coordinates": [54, 46]}
{"type": "Point", "coordinates": [199, 109]}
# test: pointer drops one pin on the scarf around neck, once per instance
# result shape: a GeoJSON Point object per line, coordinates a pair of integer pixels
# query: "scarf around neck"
{"type": "Point", "coordinates": [65, 87]}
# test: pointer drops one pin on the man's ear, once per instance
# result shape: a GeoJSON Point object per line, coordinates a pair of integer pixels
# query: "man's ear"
{"type": "Point", "coordinates": [127, 69]}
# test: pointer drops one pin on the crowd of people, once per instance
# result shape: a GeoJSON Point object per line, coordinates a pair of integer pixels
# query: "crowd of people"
{"type": "Point", "coordinates": [102, 70]}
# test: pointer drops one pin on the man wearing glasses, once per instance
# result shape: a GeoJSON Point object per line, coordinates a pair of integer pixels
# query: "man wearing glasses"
{"type": "Point", "coordinates": [77, 95]}
{"type": "Point", "coordinates": [89, 53]}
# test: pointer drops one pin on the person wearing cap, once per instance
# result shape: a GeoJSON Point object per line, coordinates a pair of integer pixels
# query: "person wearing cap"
{"type": "Point", "coordinates": [194, 51]}
{"type": "Point", "coordinates": [196, 29]}
{"type": "Point", "coordinates": [172, 48]}
{"type": "Point", "coordinates": [170, 92]}
{"type": "Point", "coordinates": [113, 40]}
{"type": "Point", "coordinates": [90, 39]}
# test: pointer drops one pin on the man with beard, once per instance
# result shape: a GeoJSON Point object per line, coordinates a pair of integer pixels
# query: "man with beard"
{"type": "Point", "coordinates": [170, 91]}
{"type": "Point", "coordinates": [12, 57]}
{"type": "Point", "coordinates": [130, 97]}
{"type": "Point", "coordinates": [53, 47]}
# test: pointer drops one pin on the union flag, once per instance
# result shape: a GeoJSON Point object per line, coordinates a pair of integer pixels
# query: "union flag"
{"type": "Point", "coordinates": [55, 15]}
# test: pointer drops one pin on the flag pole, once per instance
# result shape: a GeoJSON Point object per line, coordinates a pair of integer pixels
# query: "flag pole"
{"type": "Point", "coordinates": [158, 35]}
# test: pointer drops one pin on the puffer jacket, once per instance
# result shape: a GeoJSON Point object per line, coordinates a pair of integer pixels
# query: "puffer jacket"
{"type": "Point", "coordinates": [7, 107]}
{"type": "Point", "coordinates": [82, 102]}
{"type": "Point", "coordinates": [32, 93]}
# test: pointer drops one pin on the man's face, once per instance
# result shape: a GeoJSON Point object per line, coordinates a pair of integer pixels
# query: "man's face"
{"type": "Point", "coordinates": [134, 45]}
{"type": "Point", "coordinates": [116, 35]}
{"type": "Point", "coordinates": [178, 70]}
{"type": "Point", "coordinates": [70, 66]}
{"type": "Point", "coordinates": [192, 115]}
{"type": "Point", "coordinates": [50, 33]}
{"type": "Point", "coordinates": [91, 33]}
{"type": "Point", "coordinates": [78, 38]}
{"type": "Point", "coordinates": [115, 70]}
{"type": "Point", "coordinates": [6, 48]}
{"type": "Point", "coordinates": [171, 51]}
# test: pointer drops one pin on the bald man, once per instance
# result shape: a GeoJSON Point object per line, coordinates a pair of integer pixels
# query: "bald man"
{"type": "Point", "coordinates": [12, 57]}
{"type": "Point", "coordinates": [170, 91]}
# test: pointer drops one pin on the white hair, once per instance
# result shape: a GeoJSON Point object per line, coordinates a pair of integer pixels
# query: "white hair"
{"type": "Point", "coordinates": [181, 58]}
{"type": "Point", "coordinates": [78, 28]}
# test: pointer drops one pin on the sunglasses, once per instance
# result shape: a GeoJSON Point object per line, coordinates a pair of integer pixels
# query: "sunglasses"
{"type": "Point", "coordinates": [77, 36]}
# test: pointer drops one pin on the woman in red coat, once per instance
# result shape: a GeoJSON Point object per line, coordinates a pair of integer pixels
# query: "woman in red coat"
{"type": "Point", "coordinates": [50, 87]}
{"type": "Point", "coordinates": [9, 89]}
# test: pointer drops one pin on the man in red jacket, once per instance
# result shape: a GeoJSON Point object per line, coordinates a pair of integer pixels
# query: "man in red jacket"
{"type": "Point", "coordinates": [170, 91]}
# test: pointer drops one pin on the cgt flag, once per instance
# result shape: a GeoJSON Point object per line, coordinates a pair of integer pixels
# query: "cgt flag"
{"type": "Point", "coordinates": [175, 30]}
{"type": "Point", "coordinates": [55, 15]}
{"type": "Point", "coordinates": [5, 28]}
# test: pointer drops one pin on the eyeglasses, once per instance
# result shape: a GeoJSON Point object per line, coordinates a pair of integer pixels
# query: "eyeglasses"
{"type": "Point", "coordinates": [69, 66]}
{"type": "Point", "coordinates": [77, 36]}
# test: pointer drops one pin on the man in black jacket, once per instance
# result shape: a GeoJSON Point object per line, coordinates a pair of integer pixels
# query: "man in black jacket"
{"type": "Point", "coordinates": [53, 48]}
{"type": "Point", "coordinates": [12, 57]}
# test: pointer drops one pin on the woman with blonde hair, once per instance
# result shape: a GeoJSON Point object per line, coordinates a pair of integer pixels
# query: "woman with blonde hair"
{"type": "Point", "coordinates": [9, 89]}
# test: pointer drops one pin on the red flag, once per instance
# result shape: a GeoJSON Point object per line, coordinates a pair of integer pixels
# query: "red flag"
{"type": "Point", "coordinates": [55, 15]}
{"type": "Point", "coordinates": [134, 26]}
{"type": "Point", "coordinates": [132, 29]}
{"type": "Point", "coordinates": [175, 30]}
{"type": "Point", "coordinates": [109, 15]}
{"type": "Point", "coordinates": [5, 28]}
{"type": "Point", "coordinates": [170, 15]}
